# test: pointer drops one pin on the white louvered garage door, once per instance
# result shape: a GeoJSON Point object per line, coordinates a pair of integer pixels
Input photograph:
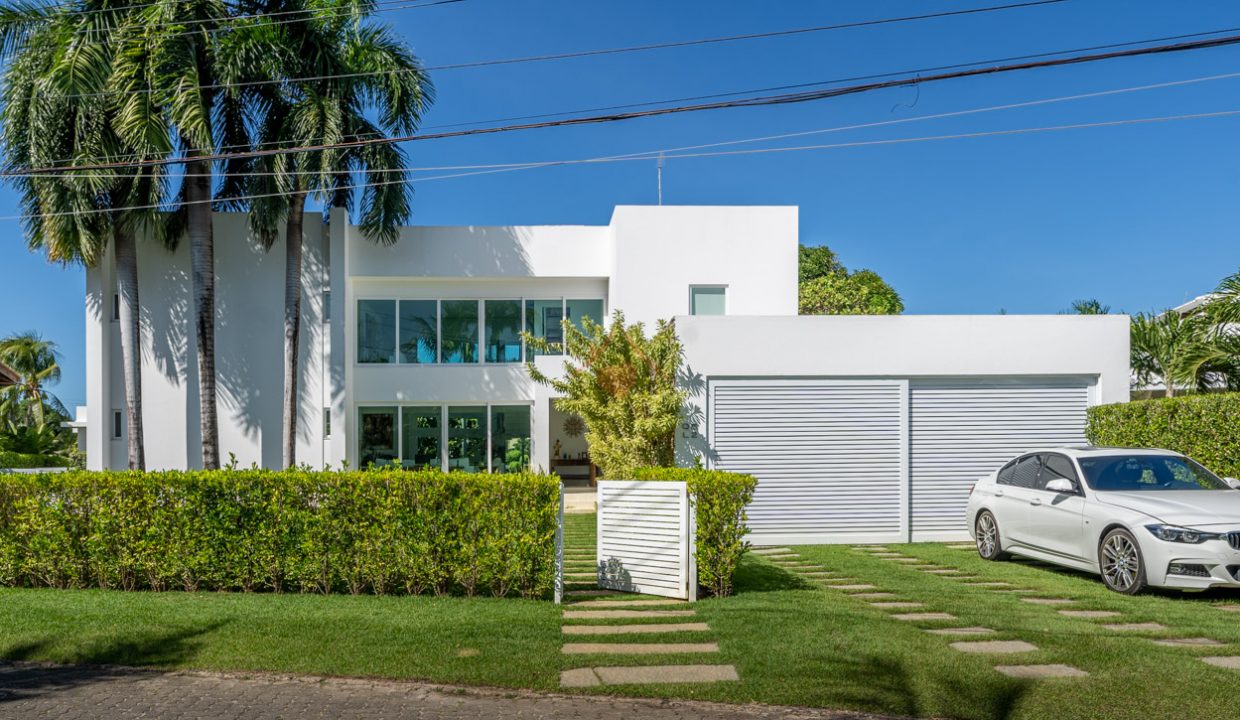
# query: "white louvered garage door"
{"type": "Point", "coordinates": [962, 429]}
{"type": "Point", "coordinates": [829, 456]}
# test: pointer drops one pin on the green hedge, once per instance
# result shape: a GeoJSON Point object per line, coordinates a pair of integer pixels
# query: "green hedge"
{"type": "Point", "coordinates": [1203, 427]}
{"type": "Point", "coordinates": [25, 461]}
{"type": "Point", "coordinates": [381, 531]}
{"type": "Point", "coordinates": [719, 500]}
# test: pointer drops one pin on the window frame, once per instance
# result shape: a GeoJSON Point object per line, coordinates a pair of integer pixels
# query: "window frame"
{"type": "Point", "coordinates": [399, 407]}
{"type": "Point", "coordinates": [722, 287]}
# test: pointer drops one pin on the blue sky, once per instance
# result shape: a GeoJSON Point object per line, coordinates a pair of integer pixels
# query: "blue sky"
{"type": "Point", "coordinates": [1140, 216]}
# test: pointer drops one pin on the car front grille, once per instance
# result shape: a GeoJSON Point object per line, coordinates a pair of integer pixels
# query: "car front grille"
{"type": "Point", "coordinates": [1233, 539]}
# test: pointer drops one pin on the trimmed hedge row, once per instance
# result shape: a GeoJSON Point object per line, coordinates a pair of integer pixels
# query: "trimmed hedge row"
{"type": "Point", "coordinates": [719, 501]}
{"type": "Point", "coordinates": [26, 461]}
{"type": "Point", "coordinates": [1203, 427]}
{"type": "Point", "coordinates": [381, 530]}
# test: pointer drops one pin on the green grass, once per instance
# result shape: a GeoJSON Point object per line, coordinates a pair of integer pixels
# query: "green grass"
{"type": "Point", "coordinates": [791, 642]}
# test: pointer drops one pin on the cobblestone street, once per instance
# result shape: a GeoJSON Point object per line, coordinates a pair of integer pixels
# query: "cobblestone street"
{"type": "Point", "coordinates": [33, 691]}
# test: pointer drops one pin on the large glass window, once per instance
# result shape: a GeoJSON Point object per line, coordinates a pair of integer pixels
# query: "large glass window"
{"type": "Point", "coordinates": [376, 331]}
{"type": "Point", "coordinates": [419, 331]}
{"type": "Point", "coordinates": [510, 438]}
{"type": "Point", "coordinates": [376, 436]}
{"type": "Point", "coordinates": [467, 439]}
{"type": "Point", "coordinates": [578, 309]}
{"type": "Point", "coordinates": [503, 331]}
{"type": "Point", "coordinates": [458, 327]}
{"type": "Point", "coordinates": [420, 437]}
{"type": "Point", "coordinates": [542, 319]}
{"type": "Point", "coordinates": [707, 300]}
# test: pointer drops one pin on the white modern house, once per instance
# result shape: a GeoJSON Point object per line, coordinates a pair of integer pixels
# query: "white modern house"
{"type": "Point", "coordinates": [858, 428]}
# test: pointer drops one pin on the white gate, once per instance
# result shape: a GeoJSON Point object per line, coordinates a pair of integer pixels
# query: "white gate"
{"type": "Point", "coordinates": [645, 538]}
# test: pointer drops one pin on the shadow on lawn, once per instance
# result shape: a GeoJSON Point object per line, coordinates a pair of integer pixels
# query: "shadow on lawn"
{"type": "Point", "coordinates": [1210, 595]}
{"type": "Point", "coordinates": [886, 686]}
{"type": "Point", "coordinates": [20, 678]}
{"type": "Point", "coordinates": [754, 575]}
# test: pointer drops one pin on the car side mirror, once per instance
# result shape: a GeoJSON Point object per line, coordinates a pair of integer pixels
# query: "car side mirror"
{"type": "Point", "coordinates": [1061, 485]}
{"type": "Point", "coordinates": [1234, 483]}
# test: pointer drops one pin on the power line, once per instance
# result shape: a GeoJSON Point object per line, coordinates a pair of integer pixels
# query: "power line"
{"type": "Point", "coordinates": [783, 99]}
{"type": "Point", "coordinates": [594, 53]}
{"type": "Point", "coordinates": [722, 153]}
{"type": "Point", "coordinates": [650, 154]}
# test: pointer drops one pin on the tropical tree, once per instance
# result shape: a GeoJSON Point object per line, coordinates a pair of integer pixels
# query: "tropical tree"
{"type": "Point", "coordinates": [1182, 351]}
{"type": "Point", "coordinates": [37, 363]}
{"type": "Point", "coordinates": [1091, 306]}
{"type": "Point", "coordinates": [1224, 306]}
{"type": "Point", "coordinates": [57, 112]}
{"type": "Point", "coordinates": [335, 69]}
{"type": "Point", "coordinates": [826, 287]}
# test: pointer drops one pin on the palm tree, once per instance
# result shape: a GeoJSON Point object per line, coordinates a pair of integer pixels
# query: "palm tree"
{"type": "Point", "coordinates": [1183, 351]}
{"type": "Point", "coordinates": [56, 109]}
{"type": "Point", "coordinates": [1224, 306]}
{"type": "Point", "coordinates": [36, 362]}
{"type": "Point", "coordinates": [360, 67]}
{"type": "Point", "coordinates": [1092, 306]}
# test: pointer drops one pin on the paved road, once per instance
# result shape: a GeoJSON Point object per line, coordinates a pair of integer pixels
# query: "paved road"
{"type": "Point", "coordinates": [33, 691]}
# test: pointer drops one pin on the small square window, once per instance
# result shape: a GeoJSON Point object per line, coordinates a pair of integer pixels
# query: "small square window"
{"type": "Point", "coordinates": [327, 422]}
{"type": "Point", "coordinates": [708, 300]}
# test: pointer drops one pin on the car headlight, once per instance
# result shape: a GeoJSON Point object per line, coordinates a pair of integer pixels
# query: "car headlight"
{"type": "Point", "coordinates": [1174, 533]}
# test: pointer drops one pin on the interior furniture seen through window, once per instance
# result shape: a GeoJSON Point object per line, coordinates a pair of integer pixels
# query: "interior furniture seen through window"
{"type": "Point", "coordinates": [458, 326]}
{"type": "Point", "coordinates": [503, 330]}
{"type": "Point", "coordinates": [376, 331]}
{"type": "Point", "coordinates": [542, 319]}
{"type": "Point", "coordinates": [707, 300]}
{"type": "Point", "coordinates": [420, 437]}
{"type": "Point", "coordinates": [419, 331]}
{"type": "Point", "coordinates": [577, 309]}
{"type": "Point", "coordinates": [510, 438]}
{"type": "Point", "coordinates": [376, 441]}
{"type": "Point", "coordinates": [467, 438]}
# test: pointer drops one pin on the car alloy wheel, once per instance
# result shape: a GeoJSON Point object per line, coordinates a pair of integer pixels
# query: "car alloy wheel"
{"type": "Point", "coordinates": [1120, 562]}
{"type": "Point", "coordinates": [986, 530]}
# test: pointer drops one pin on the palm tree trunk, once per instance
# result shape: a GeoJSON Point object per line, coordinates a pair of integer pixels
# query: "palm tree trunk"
{"type": "Point", "coordinates": [292, 321]}
{"type": "Point", "coordinates": [202, 264]}
{"type": "Point", "coordinates": [131, 347]}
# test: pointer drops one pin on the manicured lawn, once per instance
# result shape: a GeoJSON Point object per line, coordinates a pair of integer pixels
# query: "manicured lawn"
{"type": "Point", "coordinates": [791, 642]}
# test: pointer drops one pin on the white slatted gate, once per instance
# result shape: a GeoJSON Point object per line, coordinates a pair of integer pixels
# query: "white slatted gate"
{"type": "Point", "coordinates": [963, 429]}
{"type": "Point", "coordinates": [830, 456]}
{"type": "Point", "coordinates": [645, 538]}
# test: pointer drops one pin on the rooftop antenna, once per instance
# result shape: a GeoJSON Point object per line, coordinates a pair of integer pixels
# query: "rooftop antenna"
{"type": "Point", "coordinates": [660, 171]}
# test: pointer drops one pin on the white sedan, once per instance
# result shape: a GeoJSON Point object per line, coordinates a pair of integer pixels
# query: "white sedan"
{"type": "Point", "coordinates": [1137, 517]}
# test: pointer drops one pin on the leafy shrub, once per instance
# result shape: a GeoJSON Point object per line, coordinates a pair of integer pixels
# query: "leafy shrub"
{"type": "Point", "coordinates": [24, 461]}
{"type": "Point", "coordinates": [719, 502]}
{"type": "Point", "coordinates": [1204, 427]}
{"type": "Point", "coordinates": [379, 531]}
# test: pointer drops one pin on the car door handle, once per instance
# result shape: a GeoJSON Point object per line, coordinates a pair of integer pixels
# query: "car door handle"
{"type": "Point", "coordinates": [1035, 501]}
{"type": "Point", "coordinates": [998, 493]}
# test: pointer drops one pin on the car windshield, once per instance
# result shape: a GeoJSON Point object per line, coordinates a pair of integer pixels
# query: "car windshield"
{"type": "Point", "coordinates": [1127, 473]}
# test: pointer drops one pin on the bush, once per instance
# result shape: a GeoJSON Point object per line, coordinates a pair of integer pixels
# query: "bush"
{"type": "Point", "coordinates": [1203, 427]}
{"type": "Point", "coordinates": [381, 531]}
{"type": "Point", "coordinates": [26, 461]}
{"type": "Point", "coordinates": [719, 501]}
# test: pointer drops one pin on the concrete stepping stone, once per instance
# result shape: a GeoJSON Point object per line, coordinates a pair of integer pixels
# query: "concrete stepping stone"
{"type": "Point", "coordinates": [908, 560]}
{"type": "Point", "coordinates": [1136, 627]}
{"type": "Point", "coordinates": [1017, 591]}
{"type": "Point", "coordinates": [637, 648]}
{"type": "Point", "coordinates": [592, 593]}
{"type": "Point", "coordinates": [988, 584]}
{"type": "Point", "coordinates": [650, 629]}
{"type": "Point", "coordinates": [771, 551]}
{"type": "Point", "coordinates": [835, 581]}
{"type": "Point", "coordinates": [623, 614]}
{"type": "Point", "coordinates": [1048, 601]}
{"type": "Point", "coordinates": [626, 603]}
{"type": "Point", "coordinates": [1089, 614]}
{"type": "Point", "coordinates": [961, 631]}
{"type": "Point", "coordinates": [874, 595]}
{"type": "Point", "coordinates": [995, 647]}
{"type": "Point", "coordinates": [897, 605]}
{"type": "Point", "coordinates": [941, 571]}
{"type": "Point", "coordinates": [918, 617]}
{"type": "Point", "coordinates": [1231, 662]}
{"type": "Point", "coordinates": [924, 566]}
{"type": "Point", "coordinates": [1228, 608]}
{"type": "Point", "coordinates": [660, 674]}
{"type": "Point", "coordinates": [1188, 642]}
{"type": "Point", "coordinates": [860, 586]}
{"type": "Point", "coordinates": [961, 578]}
{"type": "Point", "coordinates": [1040, 672]}
{"type": "Point", "coordinates": [961, 547]}
{"type": "Point", "coordinates": [887, 554]}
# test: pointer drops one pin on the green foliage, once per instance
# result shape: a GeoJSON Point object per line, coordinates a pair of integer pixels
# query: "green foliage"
{"type": "Point", "coordinates": [623, 384]}
{"type": "Point", "coordinates": [844, 293]}
{"type": "Point", "coordinates": [1091, 306]}
{"type": "Point", "coordinates": [719, 502]}
{"type": "Point", "coordinates": [24, 461]}
{"type": "Point", "coordinates": [36, 362]}
{"type": "Point", "coordinates": [381, 531]}
{"type": "Point", "coordinates": [1185, 352]}
{"type": "Point", "coordinates": [816, 261]}
{"type": "Point", "coordinates": [1204, 427]}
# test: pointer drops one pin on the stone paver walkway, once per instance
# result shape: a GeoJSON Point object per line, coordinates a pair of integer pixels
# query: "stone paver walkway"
{"type": "Point", "coordinates": [81, 693]}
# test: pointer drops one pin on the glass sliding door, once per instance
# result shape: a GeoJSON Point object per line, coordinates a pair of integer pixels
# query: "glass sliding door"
{"type": "Point", "coordinates": [376, 331]}
{"type": "Point", "coordinates": [578, 309]}
{"type": "Point", "coordinates": [458, 327]}
{"type": "Point", "coordinates": [419, 331]}
{"type": "Point", "coordinates": [467, 439]}
{"type": "Point", "coordinates": [420, 432]}
{"type": "Point", "coordinates": [503, 331]}
{"type": "Point", "coordinates": [376, 436]}
{"type": "Point", "coordinates": [542, 319]}
{"type": "Point", "coordinates": [510, 438]}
